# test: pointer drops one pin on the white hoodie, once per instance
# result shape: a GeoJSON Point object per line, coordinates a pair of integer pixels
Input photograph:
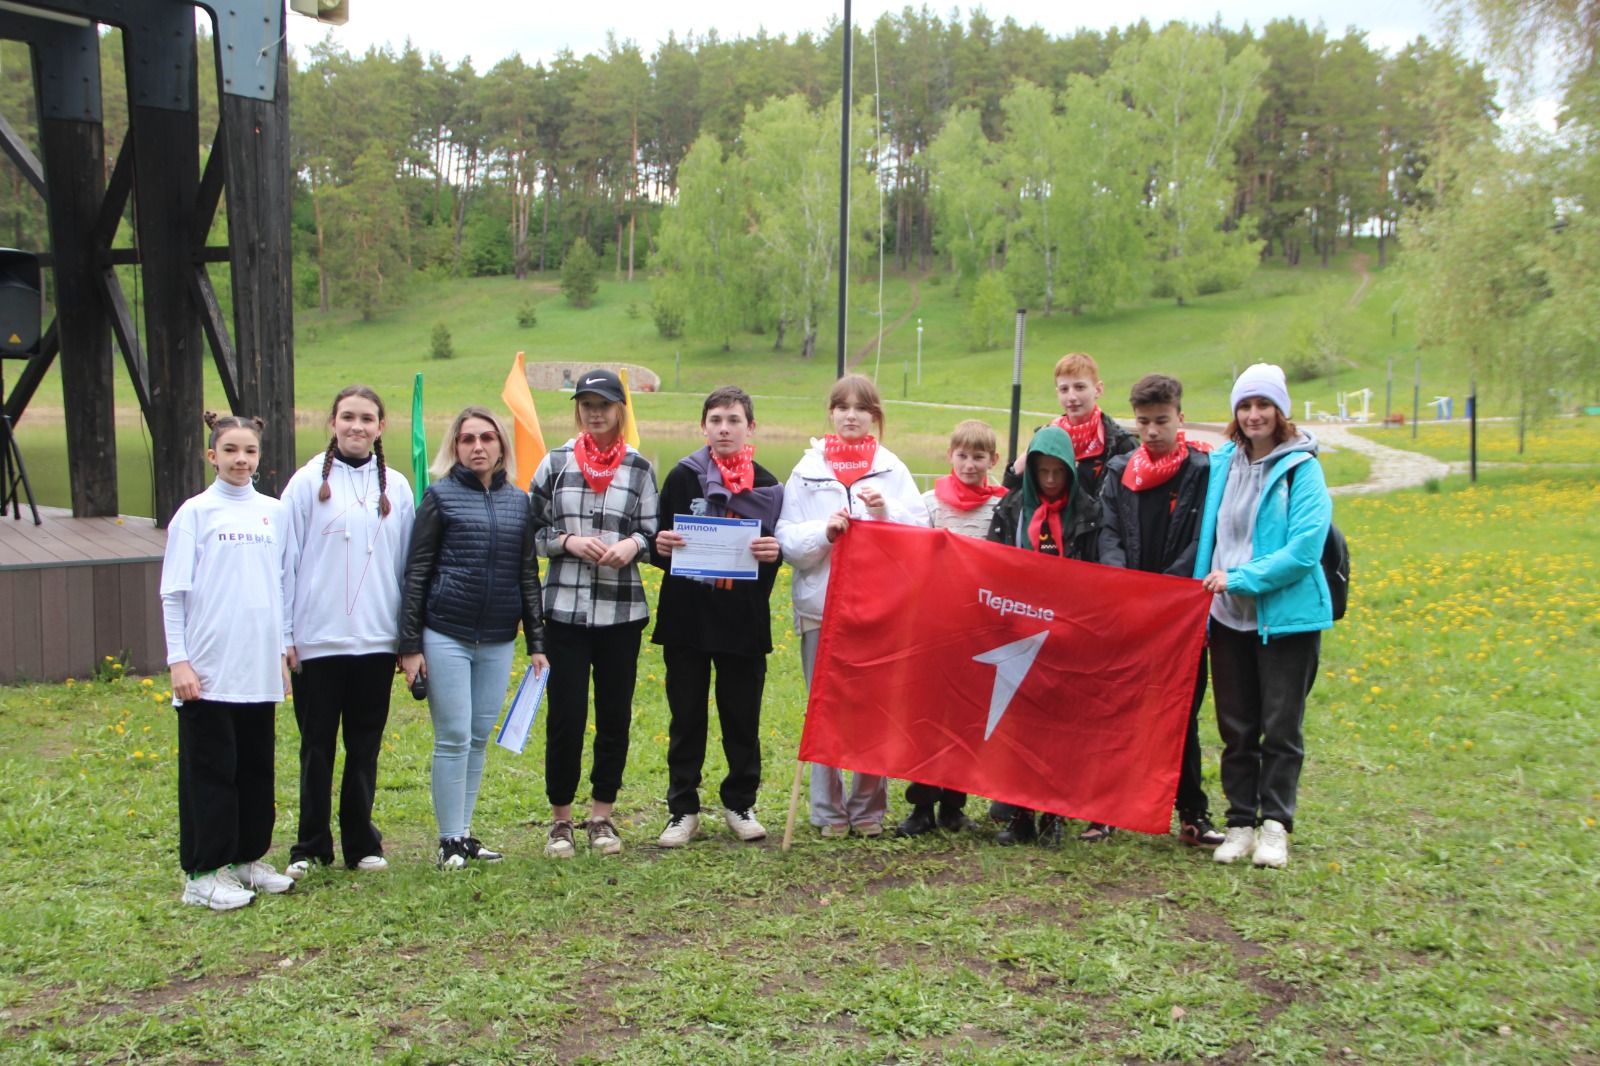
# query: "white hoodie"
{"type": "Point", "coordinates": [344, 562]}
{"type": "Point", "coordinates": [811, 495]}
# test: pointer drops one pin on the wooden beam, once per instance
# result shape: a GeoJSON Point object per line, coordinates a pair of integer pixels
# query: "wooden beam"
{"type": "Point", "coordinates": [115, 201]}
{"type": "Point", "coordinates": [254, 138]}
{"type": "Point", "coordinates": [33, 373]}
{"type": "Point", "coordinates": [212, 180]}
{"type": "Point", "coordinates": [223, 353]}
{"type": "Point", "coordinates": [167, 171]}
{"type": "Point", "coordinates": [122, 328]}
{"type": "Point", "coordinates": [74, 154]}
{"type": "Point", "coordinates": [22, 156]}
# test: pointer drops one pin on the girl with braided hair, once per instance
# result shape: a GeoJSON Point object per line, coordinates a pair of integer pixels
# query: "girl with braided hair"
{"type": "Point", "coordinates": [348, 521]}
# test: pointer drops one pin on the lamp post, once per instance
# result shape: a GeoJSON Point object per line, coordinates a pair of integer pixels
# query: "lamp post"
{"type": "Point", "coordinates": [919, 351]}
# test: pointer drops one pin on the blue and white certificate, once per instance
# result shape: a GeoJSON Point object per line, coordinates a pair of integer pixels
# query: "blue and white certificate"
{"type": "Point", "coordinates": [524, 708]}
{"type": "Point", "coordinates": [715, 547]}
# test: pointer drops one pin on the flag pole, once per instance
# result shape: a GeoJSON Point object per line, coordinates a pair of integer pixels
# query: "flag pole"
{"type": "Point", "coordinates": [844, 190]}
{"type": "Point", "coordinates": [794, 803]}
{"type": "Point", "coordinates": [1016, 385]}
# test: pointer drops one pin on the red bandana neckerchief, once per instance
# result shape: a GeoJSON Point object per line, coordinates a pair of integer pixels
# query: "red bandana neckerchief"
{"type": "Point", "coordinates": [1049, 510]}
{"type": "Point", "coordinates": [849, 459]}
{"type": "Point", "coordinates": [738, 470]}
{"type": "Point", "coordinates": [1088, 439]}
{"type": "Point", "coordinates": [958, 495]}
{"type": "Point", "coordinates": [598, 467]}
{"type": "Point", "coordinates": [1145, 471]}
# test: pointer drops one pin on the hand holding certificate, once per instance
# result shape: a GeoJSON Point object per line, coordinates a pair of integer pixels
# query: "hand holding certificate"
{"type": "Point", "coordinates": [715, 547]}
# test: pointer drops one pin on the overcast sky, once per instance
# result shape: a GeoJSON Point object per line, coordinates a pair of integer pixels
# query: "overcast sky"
{"type": "Point", "coordinates": [490, 30]}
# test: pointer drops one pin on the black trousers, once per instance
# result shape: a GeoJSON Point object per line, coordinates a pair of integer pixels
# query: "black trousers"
{"type": "Point", "coordinates": [225, 804]}
{"type": "Point", "coordinates": [352, 690]}
{"type": "Point", "coordinates": [1192, 800]}
{"type": "Point", "coordinates": [740, 682]}
{"type": "Point", "coordinates": [611, 655]}
{"type": "Point", "coordinates": [928, 795]}
{"type": "Point", "coordinates": [1260, 691]}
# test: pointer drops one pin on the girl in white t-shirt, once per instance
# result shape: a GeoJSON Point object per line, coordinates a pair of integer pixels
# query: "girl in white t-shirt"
{"type": "Point", "coordinates": [222, 607]}
{"type": "Point", "coordinates": [347, 521]}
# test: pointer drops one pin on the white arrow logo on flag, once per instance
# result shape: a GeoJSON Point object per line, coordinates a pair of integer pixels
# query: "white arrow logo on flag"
{"type": "Point", "coordinates": [1011, 664]}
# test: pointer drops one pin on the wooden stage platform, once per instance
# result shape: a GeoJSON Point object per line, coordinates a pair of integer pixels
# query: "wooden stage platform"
{"type": "Point", "coordinates": [75, 590]}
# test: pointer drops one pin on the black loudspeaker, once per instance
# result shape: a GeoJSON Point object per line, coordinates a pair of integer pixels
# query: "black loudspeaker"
{"type": "Point", "coordinates": [21, 304]}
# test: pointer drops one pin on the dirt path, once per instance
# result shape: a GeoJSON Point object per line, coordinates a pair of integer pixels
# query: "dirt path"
{"type": "Point", "coordinates": [1359, 264]}
{"type": "Point", "coordinates": [1392, 468]}
{"type": "Point", "coordinates": [867, 349]}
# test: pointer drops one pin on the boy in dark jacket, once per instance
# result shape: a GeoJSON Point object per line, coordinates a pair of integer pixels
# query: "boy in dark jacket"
{"type": "Point", "coordinates": [701, 623]}
{"type": "Point", "coordinates": [1048, 514]}
{"type": "Point", "coordinates": [1096, 436]}
{"type": "Point", "coordinates": [1150, 503]}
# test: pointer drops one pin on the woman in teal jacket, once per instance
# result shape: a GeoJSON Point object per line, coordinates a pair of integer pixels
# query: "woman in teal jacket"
{"type": "Point", "coordinates": [1265, 520]}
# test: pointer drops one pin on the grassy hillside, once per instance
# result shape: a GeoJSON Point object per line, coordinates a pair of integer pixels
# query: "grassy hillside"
{"type": "Point", "coordinates": [1202, 343]}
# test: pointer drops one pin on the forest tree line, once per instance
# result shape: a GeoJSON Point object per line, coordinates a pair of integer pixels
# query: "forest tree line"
{"type": "Point", "coordinates": [1090, 168]}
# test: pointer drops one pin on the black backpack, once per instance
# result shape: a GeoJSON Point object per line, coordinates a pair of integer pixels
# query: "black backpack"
{"type": "Point", "coordinates": [1335, 562]}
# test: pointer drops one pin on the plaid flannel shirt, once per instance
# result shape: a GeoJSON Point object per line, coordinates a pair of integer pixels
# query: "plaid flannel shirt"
{"type": "Point", "coordinates": [576, 591]}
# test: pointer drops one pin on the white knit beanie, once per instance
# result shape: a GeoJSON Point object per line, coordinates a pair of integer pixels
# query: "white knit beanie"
{"type": "Point", "coordinates": [1265, 380]}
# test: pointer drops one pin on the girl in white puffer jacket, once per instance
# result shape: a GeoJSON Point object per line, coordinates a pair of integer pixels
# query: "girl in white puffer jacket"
{"type": "Point", "coordinates": [846, 475]}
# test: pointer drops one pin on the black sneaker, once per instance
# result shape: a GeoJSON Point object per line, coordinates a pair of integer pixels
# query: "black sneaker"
{"type": "Point", "coordinates": [452, 853]}
{"type": "Point", "coordinates": [475, 850]}
{"type": "Point", "coordinates": [953, 819]}
{"type": "Point", "coordinates": [1019, 830]}
{"type": "Point", "coordinates": [1198, 832]}
{"type": "Point", "coordinates": [920, 821]}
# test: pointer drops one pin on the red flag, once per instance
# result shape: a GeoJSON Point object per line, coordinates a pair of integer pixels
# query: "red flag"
{"type": "Point", "coordinates": [1058, 685]}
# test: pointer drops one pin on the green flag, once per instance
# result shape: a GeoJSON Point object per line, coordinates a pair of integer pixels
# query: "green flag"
{"type": "Point", "coordinates": [419, 442]}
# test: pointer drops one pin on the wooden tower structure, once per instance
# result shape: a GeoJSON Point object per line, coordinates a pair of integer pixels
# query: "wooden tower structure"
{"type": "Point", "coordinates": [175, 195]}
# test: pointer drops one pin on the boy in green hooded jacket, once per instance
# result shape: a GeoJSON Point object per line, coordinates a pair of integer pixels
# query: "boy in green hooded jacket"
{"type": "Point", "coordinates": [1045, 514]}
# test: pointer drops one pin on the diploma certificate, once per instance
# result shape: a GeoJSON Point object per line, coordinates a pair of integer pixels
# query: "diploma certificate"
{"type": "Point", "coordinates": [715, 547]}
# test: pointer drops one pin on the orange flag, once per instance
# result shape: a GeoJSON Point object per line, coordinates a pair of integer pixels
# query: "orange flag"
{"type": "Point", "coordinates": [530, 447]}
{"type": "Point", "coordinates": [630, 427]}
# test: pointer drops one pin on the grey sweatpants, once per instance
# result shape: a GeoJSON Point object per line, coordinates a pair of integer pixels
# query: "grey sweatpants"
{"type": "Point", "coordinates": [869, 793]}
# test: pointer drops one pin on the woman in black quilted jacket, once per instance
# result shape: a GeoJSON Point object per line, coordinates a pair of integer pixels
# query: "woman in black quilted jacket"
{"type": "Point", "coordinates": [471, 576]}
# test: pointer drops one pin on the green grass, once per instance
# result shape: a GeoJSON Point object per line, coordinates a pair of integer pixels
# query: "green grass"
{"type": "Point", "coordinates": [1439, 906]}
{"type": "Point", "coordinates": [1559, 441]}
{"type": "Point", "coordinates": [1198, 343]}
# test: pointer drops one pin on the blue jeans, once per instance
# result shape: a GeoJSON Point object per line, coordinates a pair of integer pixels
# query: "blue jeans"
{"type": "Point", "coordinates": [466, 690]}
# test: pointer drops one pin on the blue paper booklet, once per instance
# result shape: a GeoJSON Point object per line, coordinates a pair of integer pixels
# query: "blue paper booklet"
{"type": "Point", "coordinates": [524, 709]}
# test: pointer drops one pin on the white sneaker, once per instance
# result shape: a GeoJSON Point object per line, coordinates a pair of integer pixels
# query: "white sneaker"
{"type": "Point", "coordinates": [369, 862]}
{"type": "Point", "coordinates": [261, 877]}
{"type": "Point", "coordinates": [560, 845]}
{"type": "Point", "coordinates": [298, 869]}
{"type": "Point", "coordinates": [218, 893]}
{"type": "Point", "coordinates": [1272, 845]}
{"type": "Point", "coordinates": [680, 829]}
{"type": "Point", "coordinates": [744, 825]}
{"type": "Point", "coordinates": [1238, 840]}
